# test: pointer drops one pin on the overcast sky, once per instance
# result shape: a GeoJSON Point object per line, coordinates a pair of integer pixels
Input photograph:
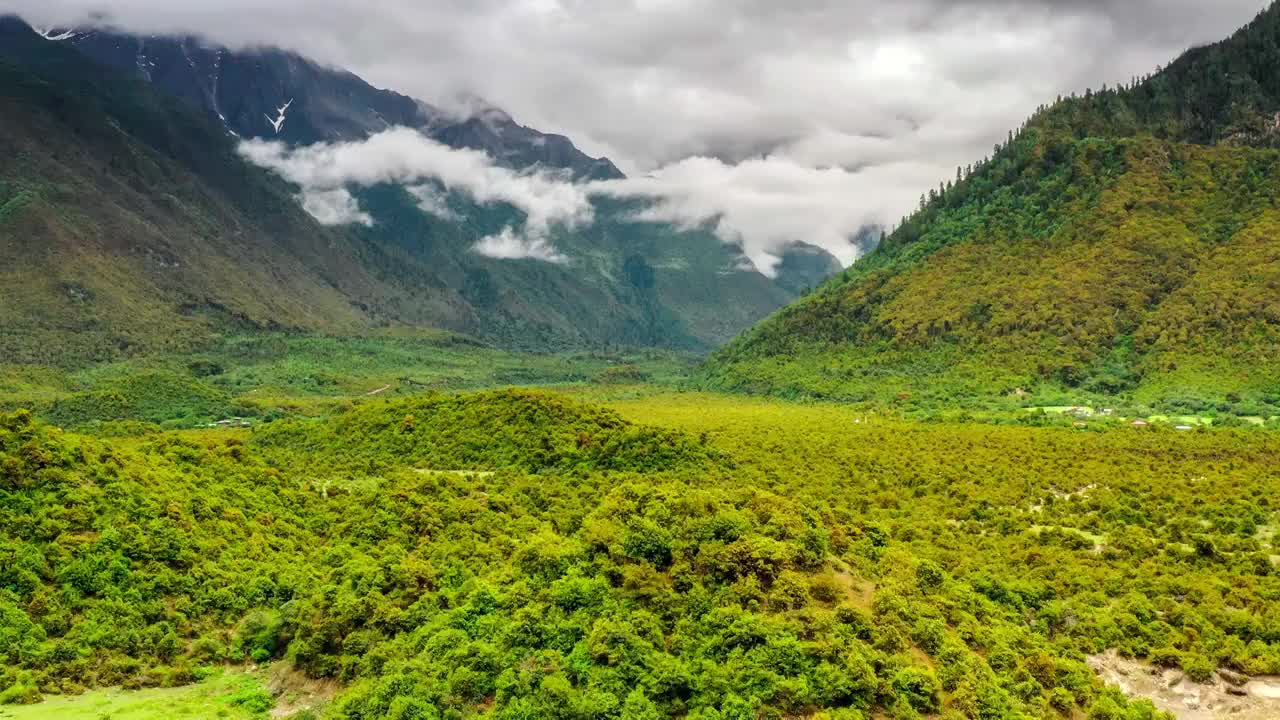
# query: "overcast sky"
{"type": "Point", "coordinates": [828, 112]}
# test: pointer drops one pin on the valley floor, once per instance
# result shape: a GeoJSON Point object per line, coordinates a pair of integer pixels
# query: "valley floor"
{"type": "Point", "coordinates": [651, 550]}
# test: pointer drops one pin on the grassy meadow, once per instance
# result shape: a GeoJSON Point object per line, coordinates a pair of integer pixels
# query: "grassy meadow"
{"type": "Point", "coordinates": [262, 377]}
{"type": "Point", "coordinates": [226, 695]}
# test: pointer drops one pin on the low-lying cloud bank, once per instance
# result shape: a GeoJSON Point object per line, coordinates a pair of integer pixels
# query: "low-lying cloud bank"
{"type": "Point", "coordinates": [763, 204]}
{"type": "Point", "coordinates": [407, 157]}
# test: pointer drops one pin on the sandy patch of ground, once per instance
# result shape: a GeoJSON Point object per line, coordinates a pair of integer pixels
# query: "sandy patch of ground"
{"type": "Point", "coordinates": [1229, 695]}
{"type": "Point", "coordinates": [296, 693]}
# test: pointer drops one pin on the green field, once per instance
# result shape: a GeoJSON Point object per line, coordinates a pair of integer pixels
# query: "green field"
{"type": "Point", "coordinates": [223, 696]}
{"type": "Point", "coordinates": [267, 376]}
{"type": "Point", "coordinates": [252, 379]}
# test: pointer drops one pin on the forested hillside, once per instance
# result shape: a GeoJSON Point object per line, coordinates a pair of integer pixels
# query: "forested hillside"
{"type": "Point", "coordinates": [1121, 245]}
{"type": "Point", "coordinates": [127, 222]}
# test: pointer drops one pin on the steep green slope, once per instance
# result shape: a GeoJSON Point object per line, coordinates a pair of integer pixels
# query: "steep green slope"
{"type": "Point", "coordinates": [128, 222]}
{"type": "Point", "coordinates": [1099, 252]}
{"type": "Point", "coordinates": [621, 282]}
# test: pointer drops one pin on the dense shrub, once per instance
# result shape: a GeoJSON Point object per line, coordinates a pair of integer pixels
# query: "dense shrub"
{"type": "Point", "coordinates": [806, 566]}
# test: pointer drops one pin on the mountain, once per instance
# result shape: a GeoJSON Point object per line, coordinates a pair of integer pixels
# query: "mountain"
{"type": "Point", "coordinates": [128, 221]}
{"type": "Point", "coordinates": [130, 224]}
{"type": "Point", "coordinates": [1123, 245]}
{"type": "Point", "coordinates": [274, 94]}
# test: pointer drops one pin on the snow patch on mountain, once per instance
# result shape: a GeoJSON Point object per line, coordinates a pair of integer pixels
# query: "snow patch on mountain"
{"type": "Point", "coordinates": [278, 122]}
{"type": "Point", "coordinates": [144, 66]}
{"type": "Point", "coordinates": [57, 34]}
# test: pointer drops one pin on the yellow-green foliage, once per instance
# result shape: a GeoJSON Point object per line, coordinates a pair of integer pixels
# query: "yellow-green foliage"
{"type": "Point", "coordinates": [510, 429]}
{"type": "Point", "coordinates": [808, 558]}
{"type": "Point", "coordinates": [1167, 274]}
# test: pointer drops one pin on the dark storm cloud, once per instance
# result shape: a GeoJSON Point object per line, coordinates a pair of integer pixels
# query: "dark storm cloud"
{"type": "Point", "coordinates": [772, 95]}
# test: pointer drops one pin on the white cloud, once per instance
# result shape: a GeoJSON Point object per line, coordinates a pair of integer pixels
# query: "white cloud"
{"type": "Point", "coordinates": [767, 203]}
{"type": "Point", "coordinates": [433, 202]}
{"type": "Point", "coordinates": [653, 82]}
{"type": "Point", "coordinates": [406, 156]}
{"type": "Point", "coordinates": [334, 207]}
{"type": "Point", "coordinates": [898, 93]}
{"type": "Point", "coordinates": [509, 245]}
{"type": "Point", "coordinates": [763, 204]}
{"type": "Point", "coordinates": [735, 108]}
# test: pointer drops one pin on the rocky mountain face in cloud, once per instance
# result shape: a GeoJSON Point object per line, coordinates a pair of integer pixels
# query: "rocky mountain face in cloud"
{"type": "Point", "coordinates": [131, 219]}
{"type": "Point", "coordinates": [802, 105]}
{"type": "Point", "coordinates": [273, 94]}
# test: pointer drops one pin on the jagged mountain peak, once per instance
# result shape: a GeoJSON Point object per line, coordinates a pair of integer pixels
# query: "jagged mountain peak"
{"type": "Point", "coordinates": [278, 94]}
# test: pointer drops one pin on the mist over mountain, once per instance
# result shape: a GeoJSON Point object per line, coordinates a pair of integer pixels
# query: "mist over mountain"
{"type": "Point", "coordinates": [425, 248]}
{"type": "Point", "coordinates": [1123, 242]}
{"type": "Point", "coordinates": [250, 91]}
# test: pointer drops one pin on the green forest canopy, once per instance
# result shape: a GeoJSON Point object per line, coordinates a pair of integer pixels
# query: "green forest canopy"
{"type": "Point", "coordinates": [761, 560]}
{"type": "Point", "coordinates": [1120, 245]}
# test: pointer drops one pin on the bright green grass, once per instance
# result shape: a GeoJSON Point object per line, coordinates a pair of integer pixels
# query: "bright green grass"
{"type": "Point", "coordinates": [325, 366]}
{"type": "Point", "coordinates": [264, 376]}
{"type": "Point", "coordinates": [224, 696]}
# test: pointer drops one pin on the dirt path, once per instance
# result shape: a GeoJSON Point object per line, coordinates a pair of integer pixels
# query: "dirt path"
{"type": "Point", "coordinates": [1227, 696]}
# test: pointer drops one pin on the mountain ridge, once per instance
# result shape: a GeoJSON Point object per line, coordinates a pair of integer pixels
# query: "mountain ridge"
{"type": "Point", "coordinates": [1089, 257]}
{"type": "Point", "coordinates": [245, 90]}
{"type": "Point", "coordinates": [126, 221]}
{"type": "Point", "coordinates": [96, 263]}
